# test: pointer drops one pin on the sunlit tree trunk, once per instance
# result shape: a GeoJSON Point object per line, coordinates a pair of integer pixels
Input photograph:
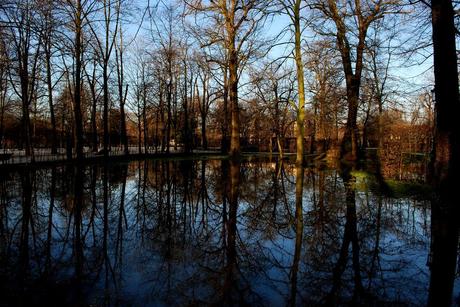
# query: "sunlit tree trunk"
{"type": "Point", "coordinates": [300, 130]}
{"type": "Point", "coordinates": [293, 11]}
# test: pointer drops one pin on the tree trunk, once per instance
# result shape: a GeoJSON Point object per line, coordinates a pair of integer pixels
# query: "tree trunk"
{"type": "Point", "coordinates": [77, 92]}
{"type": "Point", "coordinates": [105, 116]}
{"type": "Point", "coordinates": [144, 117]}
{"type": "Point", "coordinates": [25, 99]}
{"type": "Point", "coordinates": [444, 165]}
{"type": "Point", "coordinates": [121, 95]}
{"type": "Point", "coordinates": [162, 132]}
{"type": "Point", "coordinates": [93, 119]}
{"type": "Point", "coordinates": [446, 155]}
{"type": "Point", "coordinates": [124, 136]}
{"type": "Point", "coordinates": [204, 139]}
{"type": "Point", "coordinates": [139, 135]}
{"type": "Point", "coordinates": [26, 129]}
{"type": "Point", "coordinates": [204, 101]}
{"type": "Point", "coordinates": [349, 146]}
{"type": "Point", "coordinates": [365, 136]}
{"type": "Point", "coordinates": [300, 130]}
{"type": "Point", "coordinates": [380, 128]}
{"type": "Point", "coordinates": [186, 136]}
{"type": "Point", "coordinates": [2, 115]}
{"type": "Point", "coordinates": [235, 149]}
{"type": "Point", "coordinates": [169, 118]}
{"type": "Point", "coordinates": [50, 97]}
{"type": "Point", "coordinates": [224, 141]}
{"type": "Point", "coordinates": [92, 87]}
{"type": "Point", "coordinates": [175, 115]}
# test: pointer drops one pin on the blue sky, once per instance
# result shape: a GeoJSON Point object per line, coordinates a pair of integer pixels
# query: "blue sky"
{"type": "Point", "coordinates": [412, 76]}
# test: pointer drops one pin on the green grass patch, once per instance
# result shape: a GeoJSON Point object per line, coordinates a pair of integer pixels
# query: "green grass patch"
{"type": "Point", "coordinates": [402, 189]}
{"type": "Point", "coordinates": [365, 181]}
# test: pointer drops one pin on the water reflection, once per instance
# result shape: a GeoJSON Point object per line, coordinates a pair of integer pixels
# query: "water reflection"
{"type": "Point", "coordinates": [443, 254]}
{"type": "Point", "coordinates": [350, 237]}
{"type": "Point", "coordinates": [218, 232]}
{"type": "Point", "coordinates": [299, 181]}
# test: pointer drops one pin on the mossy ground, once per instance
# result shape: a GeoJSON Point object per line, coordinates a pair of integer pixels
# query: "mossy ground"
{"type": "Point", "coordinates": [391, 187]}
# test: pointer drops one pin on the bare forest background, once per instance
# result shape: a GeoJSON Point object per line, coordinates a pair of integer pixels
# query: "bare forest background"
{"type": "Point", "coordinates": [349, 79]}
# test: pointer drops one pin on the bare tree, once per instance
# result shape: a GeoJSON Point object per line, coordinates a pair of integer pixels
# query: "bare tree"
{"type": "Point", "coordinates": [232, 23]}
{"type": "Point", "coordinates": [26, 45]}
{"type": "Point", "coordinates": [4, 64]}
{"type": "Point", "coordinates": [349, 23]}
{"type": "Point", "coordinates": [92, 81]}
{"type": "Point", "coordinates": [104, 44]}
{"type": "Point", "coordinates": [324, 81]}
{"type": "Point", "coordinates": [122, 92]}
{"type": "Point", "coordinates": [293, 9]}
{"type": "Point", "coordinates": [274, 87]}
{"type": "Point", "coordinates": [48, 32]}
{"type": "Point", "coordinates": [75, 17]}
{"type": "Point", "coordinates": [207, 97]}
{"type": "Point", "coordinates": [380, 52]}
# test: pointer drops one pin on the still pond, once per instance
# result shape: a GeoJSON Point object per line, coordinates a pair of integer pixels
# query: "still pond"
{"type": "Point", "coordinates": [215, 232]}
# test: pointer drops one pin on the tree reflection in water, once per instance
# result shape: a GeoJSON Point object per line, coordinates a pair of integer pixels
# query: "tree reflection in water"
{"type": "Point", "coordinates": [443, 255]}
{"type": "Point", "coordinates": [217, 232]}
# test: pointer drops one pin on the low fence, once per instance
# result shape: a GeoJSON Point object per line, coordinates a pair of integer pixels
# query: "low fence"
{"type": "Point", "coordinates": [18, 156]}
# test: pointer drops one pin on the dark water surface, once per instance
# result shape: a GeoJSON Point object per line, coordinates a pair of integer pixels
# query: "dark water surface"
{"type": "Point", "coordinates": [162, 233]}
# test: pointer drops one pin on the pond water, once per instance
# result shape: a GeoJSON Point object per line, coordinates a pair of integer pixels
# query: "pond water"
{"type": "Point", "coordinates": [216, 232]}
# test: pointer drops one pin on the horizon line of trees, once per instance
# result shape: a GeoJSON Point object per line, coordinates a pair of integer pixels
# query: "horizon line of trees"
{"type": "Point", "coordinates": [95, 74]}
